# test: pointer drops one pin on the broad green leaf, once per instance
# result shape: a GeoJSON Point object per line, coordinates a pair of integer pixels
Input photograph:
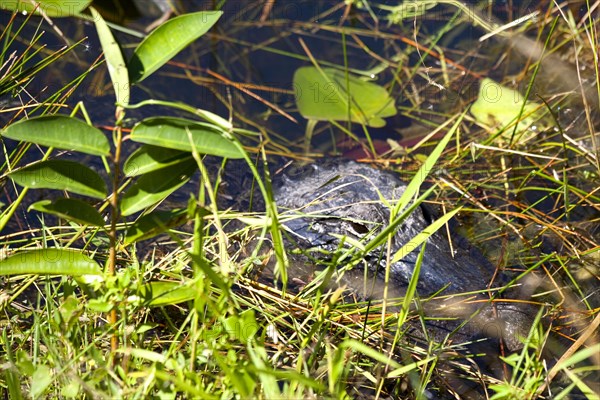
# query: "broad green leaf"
{"type": "Point", "coordinates": [167, 40]}
{"type": "Point", "coordinates": [153, 224]}
{"type": "Point", "coordinates": [52, 8]}
{"type": "Point", "coordinates": [61, 175]}
{"type": "Point", "coordinates": [164, 293]}
{"type": "Point", "coordinates": [243, 327]}
{"type": "Point", "coordinates": [70, 390]}
{"type": "Point", "coordinates": [70, 209]}
{"type": "Point", "coordinates": [151, 158]}
{"type": "Point", "coordinates": [325, 95]}
{"type": "Point", "coordinates": [24, 363]}
{"type": "Point", "coordinates": [115, 62]}
{"type": "Point", "coordinates": [500, 106]}
{"type": "Point", "coordinates": [60, 131]}
{"type": "Point", "coordinates": [40, 380]}
{"type": "Point", "coordinates": [173, 133]}
{"type": "Point", "coordinates": [155, 186]}
{"type": "Point", "coordinates": [50, 261]}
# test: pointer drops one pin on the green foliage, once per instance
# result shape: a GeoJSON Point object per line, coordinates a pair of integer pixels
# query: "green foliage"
{"type": "Point", "coordinates": [501, 107]}
{"type": "Point", "coordinates": [153, 187]}
{"type": "Point", "coordinates": [154, 224]}
{"type": "Point", "coordinates": [185, 135]}
{"type": "Point", "coordinates": [162, 168]}
{"type": "Point", "coordinates": [61, 132]}
{"type": "Point", "coordinates": [61, 175]}
{"type": "Point", "coordinates": [164, 293]}
{"type": "Point", "coordinates": [167, 40]}
{"type": "Point", "coordinates": [74, 210]}
{"type": "Point", "coordinates": [50, 261]}
{"type": "Point", "coordinates": [152, 158]}
{"type": "Point", "coordinates": [115, 62]}
{"type": "Point", "coordinates": [328, 94]}
{"type": "Point", "coordinates": [188, 322]}
{"type": "Point", "coordinates": [40, 380]}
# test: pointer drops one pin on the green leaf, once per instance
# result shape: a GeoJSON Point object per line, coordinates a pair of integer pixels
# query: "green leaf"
{"type": "Point", "coordinates": [167, 40]}
{"type": "Point", "coordinates": [51, 261]}
{"type": "Point", "coordinates": [153, 224]}
{"type": "Point", "coordinates": [61, 175]}
{"type": "Point", "coordinates": [164, 293]}
{"type": "Point", "coordinates": [155, 186]}
{"type": "Point", "coordinates": [24, 363]}
{"type": "Point", "coordinates": [60, 131]}
{"type": "Point", "coordinates": [70, 209]}
{"type": "Point", "coordinates": [500, 106]}
{"type": "Point", "coordinates": [52, 8]}
{"type": "Point", "coordinates": [325, 95]}
{"type": "Point", "coordinates": [117, 69]}
{"type": "Point", "coordinates": [41, 379]}
{"type": "Point", "coordinates": [243, 327]}
{"type": "Point", "coordinates": [173, 133]}
{"type": "Point", "coordinates": [151, 158]}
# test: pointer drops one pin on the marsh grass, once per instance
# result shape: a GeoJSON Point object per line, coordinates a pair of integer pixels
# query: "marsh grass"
{"type": "Point", "coordinates": [244, 333]}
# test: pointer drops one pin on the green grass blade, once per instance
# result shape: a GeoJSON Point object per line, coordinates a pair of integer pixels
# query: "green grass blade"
{"type": "Point", "coordinates": [50, 261]}
{"type": "Point", "coordinates": [61, 132]}
{"type": "Point", "coordinates": [421, 237]}
{"type": "Point", "coordinates": [114, 59]}
{"type": "Point", "coordinates": [13, 384]}
{"type": "Point", "coordinates": [210, 273]}
{"type": "Point", "coordinates": [411, 290]}
{"type": "Point", "coordinates": [369, 352]}
{"type": "Point", "coordinates": [412, 189]}
{"type": "Point", "coordinates": [167, 40]}
{"type": "Point", "coordinates": [61, 175]}
{"type": "Point", "coordinates": [172, 133]}
{"type": "Point", "coordinates": [382, 236]}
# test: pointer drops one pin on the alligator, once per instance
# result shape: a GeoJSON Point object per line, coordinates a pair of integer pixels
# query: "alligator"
{"type": "Point", "coordinates": [327, 205]}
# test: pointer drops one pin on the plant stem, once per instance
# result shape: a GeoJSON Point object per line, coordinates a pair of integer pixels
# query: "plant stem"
{"type": "Point", "coordinates": [114, 202]}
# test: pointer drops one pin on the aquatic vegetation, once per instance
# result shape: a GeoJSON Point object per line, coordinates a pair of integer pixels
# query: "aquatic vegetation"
{"type": "Point", "coordinates": [502, 108]}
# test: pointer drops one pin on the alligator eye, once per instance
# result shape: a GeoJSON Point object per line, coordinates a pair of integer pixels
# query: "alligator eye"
{"type": "Point", "coordinates": [359, 228]}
